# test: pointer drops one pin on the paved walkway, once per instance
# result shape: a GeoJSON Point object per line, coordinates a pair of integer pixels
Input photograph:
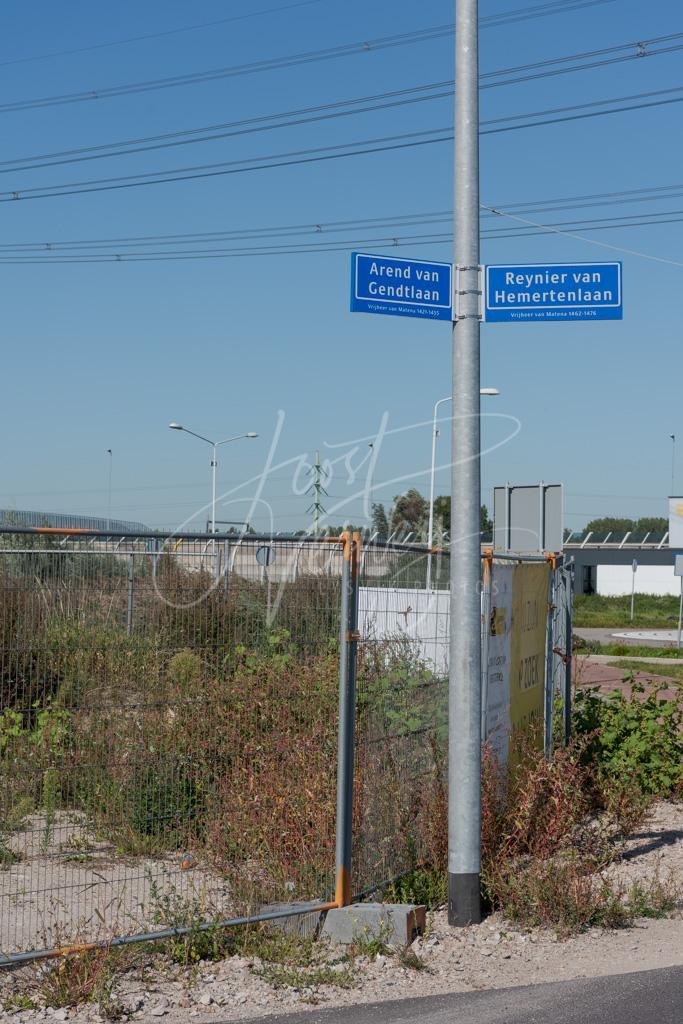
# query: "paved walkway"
{"type": "Point", "coordinates": [599, 670]}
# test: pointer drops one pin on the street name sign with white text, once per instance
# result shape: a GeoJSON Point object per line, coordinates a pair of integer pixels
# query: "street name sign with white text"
{"type": "Point", "coordinates": [552, 291]}
{"type": "Point", "coordinates": [401, 287]}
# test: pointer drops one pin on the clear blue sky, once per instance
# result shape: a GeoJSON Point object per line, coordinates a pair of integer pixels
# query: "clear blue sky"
{"type": "Point", "coordinates": [103, 356]}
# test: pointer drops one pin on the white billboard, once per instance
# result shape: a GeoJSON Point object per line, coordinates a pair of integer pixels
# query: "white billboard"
{"type": "Point", "coordinates": [676, 522]}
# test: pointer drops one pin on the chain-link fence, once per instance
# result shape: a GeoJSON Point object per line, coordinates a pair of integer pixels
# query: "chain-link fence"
{"type": "Point", "coordinates": [213, 728]}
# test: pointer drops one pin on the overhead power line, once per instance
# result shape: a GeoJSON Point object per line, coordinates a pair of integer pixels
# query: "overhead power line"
{"type": "Point", "coordinates": [608, 55]}
{"type": "Point", "coordinates": [229, 129]}
{"type": "Point", "coordinates": [321, 112]}
{"type": "Point", "coordinates": [323, 228]}
{"type": "Point", "coordinates": [550, 229]}
{"type": "Point", "coordinates": [237, 70]}
{"type": "Point", "coordinates": [159, 35]}
{"type": "Point", "coordinates": [338, 245]}
{"type": "Point", "coordinates": [313, 155]}
{"type": "Point", "coordinates": [488, 21]}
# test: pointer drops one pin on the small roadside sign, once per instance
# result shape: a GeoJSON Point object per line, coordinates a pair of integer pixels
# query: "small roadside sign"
{"type": "Point", "coordinates": [401, 287]}
{"type": "Point", "coordinates": [552, 291]}
{"type": "Point", "coordinates": [678, 566]}
{"type": "Point", "coordinates": [265, 555]}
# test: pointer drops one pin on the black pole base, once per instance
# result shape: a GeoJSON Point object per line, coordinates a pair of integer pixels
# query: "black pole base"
{"type": "Point", "coordinates": [464, 900]}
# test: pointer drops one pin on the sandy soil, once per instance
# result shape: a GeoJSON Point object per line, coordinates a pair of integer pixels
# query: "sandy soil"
{"type": "Point", "coordinates": [491, 955]}
{"type": "Point", "coordinates": [68, 886]}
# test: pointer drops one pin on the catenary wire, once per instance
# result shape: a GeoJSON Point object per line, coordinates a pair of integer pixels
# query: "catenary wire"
{"type": "Point", "coordinates": [392, 241]}
{"type": "Point", "coordinates": [159, 35]}
{"type": "Point", "coordinates": [652, 193]}
{"type": "Point", "coordinates": [52, 252]}
{"type": "Point", "coordinates": [581, 238]}
{"type": "Point", "coordinates": [490, 20]}
{"type": "Point", "coordinates": [312, 155]}
{"type": "Point", "coordinates": [540, 69]}
{"type": "Point", "coordinates": [322, 112]}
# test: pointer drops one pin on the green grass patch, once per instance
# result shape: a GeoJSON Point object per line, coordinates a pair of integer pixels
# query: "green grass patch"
{"type": "Point", "coordinates": [18, 1001]}
{"type": "Point", "coordinates": [657, 668]}
{"type": "Point", "coordinates": [624, 650]}
{"type": "Point", "coordinates": [651, 611]}
{"type": "Point", "coordinates": [426, 886]}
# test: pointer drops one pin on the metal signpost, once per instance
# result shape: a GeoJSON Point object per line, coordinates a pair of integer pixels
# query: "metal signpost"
{"type": "Point", "coordinates": [401, 287]}
{"type": "Point", "coordinates": [678, 571]}
{"type": "Point", "coordinates": [552, 291]}
{"type": "Point", "coordinates": [634, 568]}
{"type": "Point", "coordinates": [419, 288]}
{"type": "Point", "coordinates": [464, 692]}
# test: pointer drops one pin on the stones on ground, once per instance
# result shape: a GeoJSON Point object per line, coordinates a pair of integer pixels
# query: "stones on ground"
{"type": "Point", "coordinates": [206, 999]}
{"type": "Point", "coordinates": [133, 1003]}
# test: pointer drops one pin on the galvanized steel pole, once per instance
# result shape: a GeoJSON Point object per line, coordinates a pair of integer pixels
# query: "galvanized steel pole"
{"type": "Point", "coordinates": [347, 711]}
{"type": "Point", "coordinates": [464, 730]}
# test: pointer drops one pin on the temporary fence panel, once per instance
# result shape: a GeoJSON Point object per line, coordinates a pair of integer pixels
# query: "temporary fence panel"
{"type": "Point", "coordinates": [168, 734]}
{"type": "Point", "coordinates": [401, 717]}
{"type": "Point", "coordinates": [202, 728]}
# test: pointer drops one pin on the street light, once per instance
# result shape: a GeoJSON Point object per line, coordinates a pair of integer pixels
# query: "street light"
{"type": "Point", "coordinates": [111, 459]}
{"type": "Point", "coordinates": [673, 461]}
{"type": "Point", "coordinates": [435, 433]}
{"type": "Point", "coordinates": [214, 446]}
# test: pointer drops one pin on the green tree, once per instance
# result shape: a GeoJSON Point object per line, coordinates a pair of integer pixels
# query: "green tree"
{"type": "Point", "coordinates": [619, 525]}
{"type": "Point", "coordinates": [409, 514]}
{"type": "Point", "coordinates": [442, 515]}
{"type": "Point", "coordinates": [652, 524]}
{"type": "Point", "coordinates": [442, 512]}
{"type": "Point", "coordinates": [380, 523]}
{"type": "Point", "coordinates": [615, 524]}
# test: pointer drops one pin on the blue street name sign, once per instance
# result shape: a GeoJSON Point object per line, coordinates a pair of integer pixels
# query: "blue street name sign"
{"type": "Point", "coordinates": [401, 287]}
{"type": "Point", "coordinates": [553, 291]}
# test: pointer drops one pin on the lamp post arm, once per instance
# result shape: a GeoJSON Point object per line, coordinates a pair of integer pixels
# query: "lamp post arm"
{"type": "Point", "coordinates": [237, 437]}
{"type": "Point", "coordinates": [200, 436]}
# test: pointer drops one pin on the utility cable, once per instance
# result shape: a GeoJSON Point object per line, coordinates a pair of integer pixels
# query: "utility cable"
{"type": "Point", "coordinates": [652, 193]}
{"type": "Point", "coordinates": [311, 155]}
{"type": "Point", "coordinates": [159, 35]}
{"type": "Point", "coordinates": [582, 238]}
{"type": "Point", "coordinates": [322, 112]}
{"type": "Point", "coordinates": [388, 241]}
{"type": "Point", "coordinates": [541, 69]}
{"type": "Point", "coordinates": [488, 21]}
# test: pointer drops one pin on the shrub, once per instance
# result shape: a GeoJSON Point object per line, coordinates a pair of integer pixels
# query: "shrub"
{"type": "Point", "coordinates": [164, 802]}
{"type": "Point", "coordinates": [273, 749]}
{"type": "Point", "coordinates": [638, 738]}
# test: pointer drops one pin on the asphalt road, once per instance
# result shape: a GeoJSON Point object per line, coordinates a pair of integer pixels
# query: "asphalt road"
{"type": "Point", "coordinates": [645, 997]}
{"type": "Point", "coordinates": [608, 636]}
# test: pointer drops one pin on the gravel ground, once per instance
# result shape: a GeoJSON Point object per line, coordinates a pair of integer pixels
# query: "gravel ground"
{"type": "Point", "coordinates": [490, 955]}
